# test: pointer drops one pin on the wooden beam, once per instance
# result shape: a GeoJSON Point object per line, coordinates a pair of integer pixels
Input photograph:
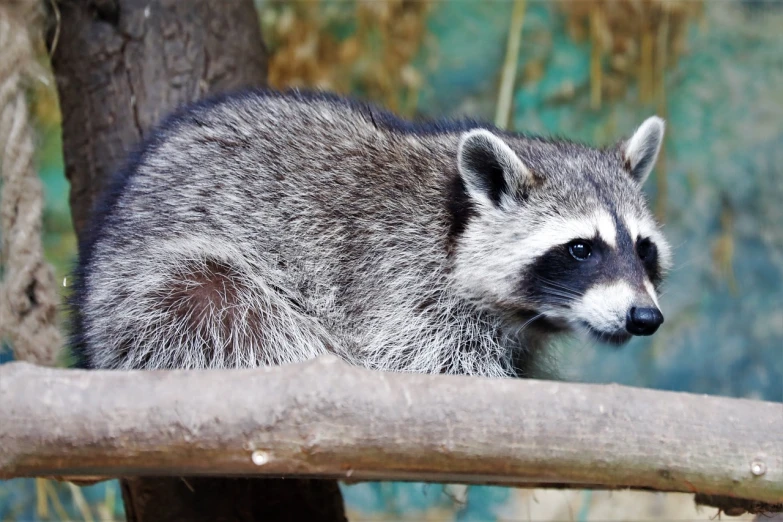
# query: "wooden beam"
{"type": "Point", "coordinates": [326, 419]}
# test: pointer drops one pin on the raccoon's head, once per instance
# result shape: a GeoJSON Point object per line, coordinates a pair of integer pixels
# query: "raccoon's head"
{"type": "Point", "coordinates": [559, 234]}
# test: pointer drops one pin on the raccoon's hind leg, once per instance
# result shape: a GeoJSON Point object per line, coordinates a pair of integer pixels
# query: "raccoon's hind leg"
{"type": "Point", "coordinates": [204, 309]}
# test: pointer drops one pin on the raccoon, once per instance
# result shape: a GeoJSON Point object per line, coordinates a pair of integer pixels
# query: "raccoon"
{"type": "Point", "coordinates": [265, 228]}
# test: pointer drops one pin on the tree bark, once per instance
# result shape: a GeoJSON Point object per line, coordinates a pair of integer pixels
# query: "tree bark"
{"type": "Point", "coordinates": [120, 66]}
{"type": "Point", "coordinates": [308, 420]}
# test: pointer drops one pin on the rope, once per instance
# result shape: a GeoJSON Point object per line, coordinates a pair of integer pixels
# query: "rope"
{"type": "Point", "coordinates": [28, 293]}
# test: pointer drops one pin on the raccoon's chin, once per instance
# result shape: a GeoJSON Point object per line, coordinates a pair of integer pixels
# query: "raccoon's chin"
{"type": "Point", "coordinates": [615, 339]}
{"type": "Point", "coordinates": [618, 338]}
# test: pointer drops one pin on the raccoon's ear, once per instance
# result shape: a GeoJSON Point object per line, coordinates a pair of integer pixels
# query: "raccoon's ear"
{"type": "Point", "coordinates": [489, 168]}
{"type": "Point", "coordinates": [641, 151]}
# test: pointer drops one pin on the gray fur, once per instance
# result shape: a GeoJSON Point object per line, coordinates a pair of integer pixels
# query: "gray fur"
{"type": "Point", "coordinates": [266, 229]}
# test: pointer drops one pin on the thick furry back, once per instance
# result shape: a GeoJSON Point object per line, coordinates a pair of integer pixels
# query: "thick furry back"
{"type": "Point", "coordinates": [260, 229]}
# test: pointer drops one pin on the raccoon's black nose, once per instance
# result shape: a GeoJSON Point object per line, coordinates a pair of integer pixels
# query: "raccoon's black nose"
{"type": "Point", "coordinates": [643, 321]}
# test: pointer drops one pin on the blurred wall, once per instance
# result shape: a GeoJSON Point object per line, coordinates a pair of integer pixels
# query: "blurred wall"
{"type": "Point", "coordinates": [716, 75]}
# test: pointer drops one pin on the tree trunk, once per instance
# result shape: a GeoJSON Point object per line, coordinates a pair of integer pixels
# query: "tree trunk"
{"type": "Point", "coordinates": [231, 499]}
{"type": "Point", "coordinates": [120, 66]}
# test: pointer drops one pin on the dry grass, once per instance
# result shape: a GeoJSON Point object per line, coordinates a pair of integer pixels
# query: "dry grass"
{"type": "Point", "coordinates": [364, 47]}
{"type": "Point", "coordinates": [631, 40]}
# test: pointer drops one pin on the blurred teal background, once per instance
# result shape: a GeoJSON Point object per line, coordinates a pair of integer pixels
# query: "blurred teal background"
{"type": "Point", "coordinates": [719, 188]}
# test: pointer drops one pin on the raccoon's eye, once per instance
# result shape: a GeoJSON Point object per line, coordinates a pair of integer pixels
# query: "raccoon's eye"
{"type": "Point", "coordinates": [580, 250]}
{"type": "Point", "coordinates": [646, 250]}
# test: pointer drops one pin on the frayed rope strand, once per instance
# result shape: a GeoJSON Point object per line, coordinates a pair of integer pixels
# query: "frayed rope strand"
{"type": "Point", "coordinates": [28, 292]}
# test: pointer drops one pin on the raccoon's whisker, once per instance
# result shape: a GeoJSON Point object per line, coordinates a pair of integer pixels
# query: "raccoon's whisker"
{"type": "Point", "coordinates": [563, 292]}
{"type": "Point", "coordinates": [684, 264]}
{"type": "Point", "coordinates": [556, 293]}
{"type": "Point", "coordinates": [539, 316]}
{"type": "Point", "coordinates": [559, 293]}
{"type": "Point", "coordinates": [559, 286]}
{"type": "Point", "coordinates": [519, 329]}
{"type": "Point", "coordinates": [551, 281]}
{"type": "Point", "coordinates": [559, 301]}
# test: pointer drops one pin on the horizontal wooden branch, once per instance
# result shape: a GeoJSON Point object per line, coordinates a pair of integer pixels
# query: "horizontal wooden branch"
{"type": "Point", "coordinates": [326, 419]}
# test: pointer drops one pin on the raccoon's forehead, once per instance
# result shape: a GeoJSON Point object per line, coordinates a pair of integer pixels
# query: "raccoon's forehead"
{"type": "Point", "coordinates": [583, 193]}
{"type": "Point", "coordinates": [613, 193]}
{"type": "Point", "coordinates": [584, 197]}
{"type": "Point", "coordinates": [580, 179]}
